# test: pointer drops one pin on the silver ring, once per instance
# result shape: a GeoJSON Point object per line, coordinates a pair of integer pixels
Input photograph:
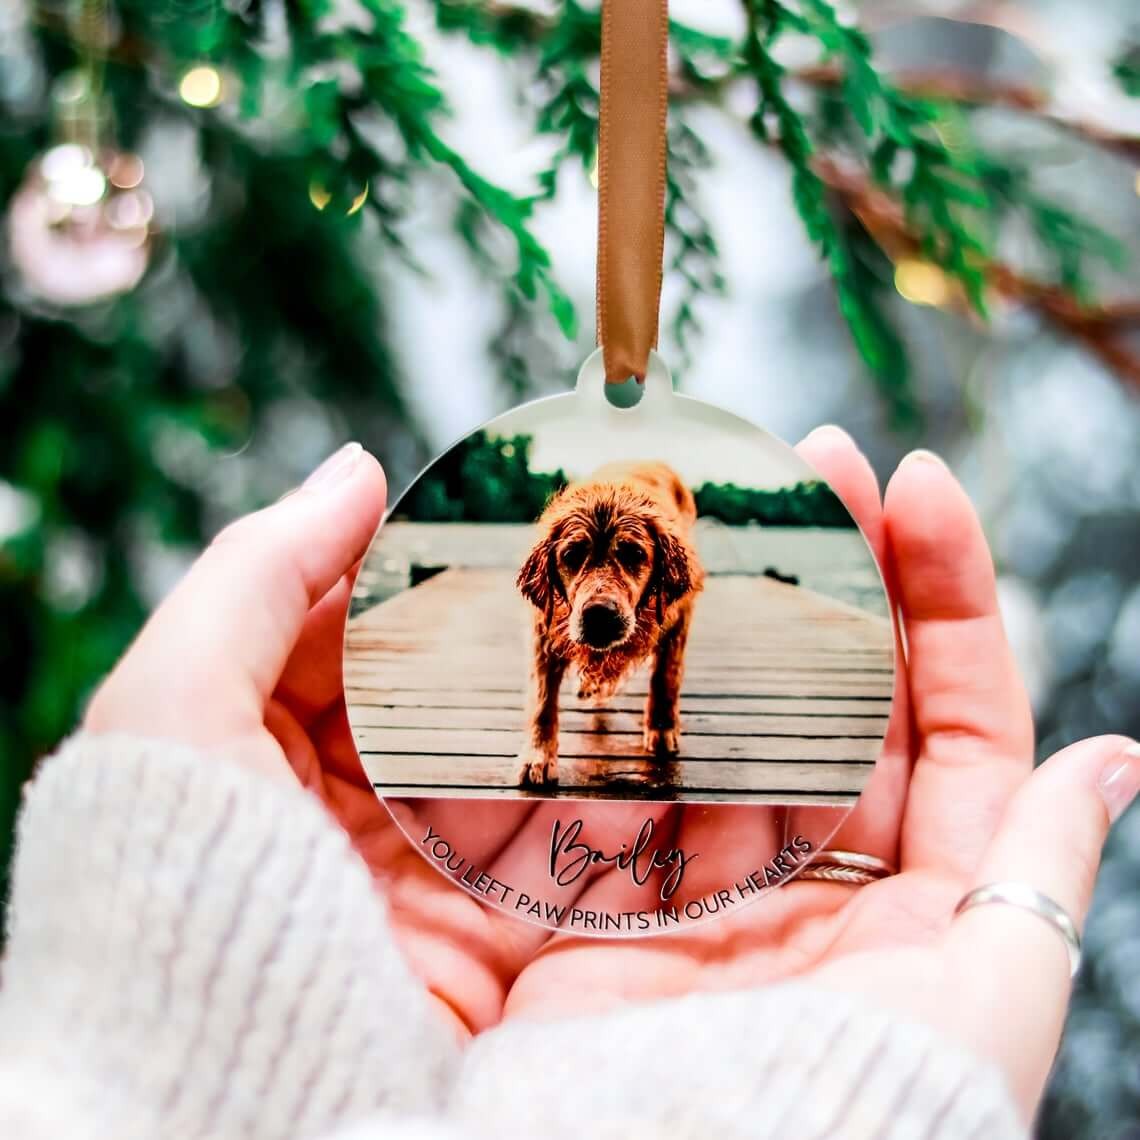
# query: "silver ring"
{"type": "Point", "coordinates": [836, 866]}
{"type": "Point", "coordinates": [1025, 897]}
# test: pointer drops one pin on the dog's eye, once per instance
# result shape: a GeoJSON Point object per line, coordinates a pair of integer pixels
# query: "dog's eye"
{"type": "Point", "coordinates": [630, 554]}
{"type": "Point", "coordinates": [573, 556]}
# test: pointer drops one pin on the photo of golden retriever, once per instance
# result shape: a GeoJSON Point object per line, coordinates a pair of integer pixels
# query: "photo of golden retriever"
{"type": "Point", "coordinates": [612, 581]}
{"type": "Point", "coordinates": [634, 606]}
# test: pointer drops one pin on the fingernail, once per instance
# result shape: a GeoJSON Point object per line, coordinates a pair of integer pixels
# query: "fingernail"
{"type": "Point", "coordinates": [828, 431]}
{"type": "Point", "coordinates": [334, 469]}
{"type": "Point", "coordinates": [924, 456]}
{"type": "Point", "coordinates": [1120, 781]}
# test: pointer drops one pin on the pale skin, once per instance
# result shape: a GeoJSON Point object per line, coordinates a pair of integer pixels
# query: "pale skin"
{"type": "Point", "coordinates": [243, 660]}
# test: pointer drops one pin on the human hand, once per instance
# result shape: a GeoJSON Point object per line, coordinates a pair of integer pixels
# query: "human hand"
{"type": "Point", "coordinates": [243, 660]}
{"type": "Point", "coordinates": [953, 802]}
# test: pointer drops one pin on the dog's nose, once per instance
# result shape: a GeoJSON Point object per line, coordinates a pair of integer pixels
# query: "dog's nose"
{"type": "Point", "coordinates": [602, 625]}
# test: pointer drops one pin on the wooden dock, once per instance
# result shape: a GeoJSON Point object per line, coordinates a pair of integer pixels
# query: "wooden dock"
{"type": "Point", "coordinates": [785, 698]}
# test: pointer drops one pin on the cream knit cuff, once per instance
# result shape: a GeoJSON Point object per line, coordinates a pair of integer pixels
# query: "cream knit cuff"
{"type": "Point", "coordinates": [187, 929]}
{"type": "Point", "coordinates": [784, 1061]}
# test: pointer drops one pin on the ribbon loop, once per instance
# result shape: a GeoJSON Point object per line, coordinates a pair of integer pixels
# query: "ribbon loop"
{"type": "Point", "coordinates": [631, 182]}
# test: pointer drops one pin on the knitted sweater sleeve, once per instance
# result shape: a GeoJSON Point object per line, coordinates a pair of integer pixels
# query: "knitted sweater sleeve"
{"type": "Point", "coordinates": [196, 952]}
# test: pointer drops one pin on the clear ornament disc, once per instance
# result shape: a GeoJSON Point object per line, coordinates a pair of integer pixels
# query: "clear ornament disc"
{"type": "Point", "coordinates": [617, 671]}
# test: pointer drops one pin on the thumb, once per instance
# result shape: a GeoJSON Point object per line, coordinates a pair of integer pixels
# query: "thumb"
{"type": "Point", "coordinates": [205, 664]}
{"type": "Point", "coordinates": [1009, 958]}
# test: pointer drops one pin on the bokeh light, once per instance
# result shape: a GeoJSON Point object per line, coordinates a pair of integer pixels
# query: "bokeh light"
{"type": "Point", "coordinates": [358, 201]}
{"type": "Point", "coordinates": [125, 171]}
{"type": "Point", "coordinates": [201, 86]}
{"type": "Point", "coordinates": [921, 283]}
{"type": "Point", "coordinates": [71, 174]}
{"type": "Point", "coordinates": [321, 197]}
{"type": "Point", "coordinates": [318, 195]}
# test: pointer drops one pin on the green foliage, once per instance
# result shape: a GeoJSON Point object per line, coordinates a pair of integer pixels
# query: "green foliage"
{"type": "Point", "coordinates": [558, 56]}
{"type": "Point", "coordinates": [866, 296]}
{"type": "Point", "coordinates": [551, 66]}
{"type": "Point", "coordinates": [482, 479]}
{"type": "Point", "coordinates": [954, 197]}
{"type": "Point", "coordinates": [691, 256]}
{"type": "Point", "coordinates": [805, 504]}
{"type": "Point", "coordinates": [846, 255]}
{"type": "Point", "coordinates": [937, 182]}
{"type": "Point", "coordinates": [1127, 69]}
{"type": "Point", "coordinates": [353, 75]}
{"type": "Point", "coordinates": [1071, 242]}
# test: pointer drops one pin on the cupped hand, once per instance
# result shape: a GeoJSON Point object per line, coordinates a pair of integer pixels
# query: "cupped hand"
{"type": "Point", "coordinates": [243, 659]}
{"type": "Point", "coordinates": [953, 803]}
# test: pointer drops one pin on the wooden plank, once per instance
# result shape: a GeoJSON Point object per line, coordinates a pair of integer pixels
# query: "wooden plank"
{"type": "Point", "coordinates": [449, 674]}
{"type": "Point", "coordinates": [695, 684]}
{"type": "Point", "coordinates": [491, 625]}
{"type": "Point", "coordinates": [440, 772]}
{"type": "Point", "coordinates": [739, 705]}
{"type": "Point", "coordinates": [461, 743]}
{"type": "Point", "coordinates": [460, 662]}
{"type": "Point", "coordinates": [617, 721]}
{"type": "Point", "coordinates": [404, 635]}
{"type": "Point", "coordinates": [625, 791]}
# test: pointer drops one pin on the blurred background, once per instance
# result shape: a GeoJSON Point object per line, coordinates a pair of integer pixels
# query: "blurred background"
{"type": "Point", "coordinates": [238, 233]}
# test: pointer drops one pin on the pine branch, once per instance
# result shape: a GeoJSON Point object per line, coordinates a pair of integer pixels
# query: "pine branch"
{"type": "Point", "coordinates": [1127, 69]}
{"type": "Point", "coordinates": [1101, 328]}
{"type": "Point", "coordinates": [949, 196]}
{"type": "Point", "coordinates": [568, 106]}
{"type": "Point", "coordinates": [946, 86]}
{"type": "Point", "coordinates": [400, 84]}
{"type": "Point", "coordinates": [518, 345]}
{"type": "Point", "coordinates": [394, 84]}
{"type": "Point", "coordinates": [559, 50]}
{"type": "Point", "coordinates": [695, 254]}
{"type": "Point", "coordinates": [706, 67]}
{"type": "Point", "coordinates": [953, 195]}
{"type": "Point", "coordinates": [777, 123]}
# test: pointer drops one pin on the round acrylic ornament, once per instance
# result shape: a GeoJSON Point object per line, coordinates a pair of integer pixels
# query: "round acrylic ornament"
{"type": "Point", "coordinates": [618, 671]}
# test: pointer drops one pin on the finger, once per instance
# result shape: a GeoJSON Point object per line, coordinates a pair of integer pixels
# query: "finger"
{"type": "Point", "coordinates": [873, 825]}
{"type": "Point", "coordinates": [838, 460]}
{"type": "Point", "coordinates": [296, 744]}
{"type": "Point", "coordinates": [975, 731]}
{"type": "Point", "coordinates": [312, 678]}
{"type": "Point", "coordinates": [208, 659]}
{"type": "Point", "coordinates": [1011, 959]}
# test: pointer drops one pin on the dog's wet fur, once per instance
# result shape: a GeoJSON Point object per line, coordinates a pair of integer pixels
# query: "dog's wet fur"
{"type": "Point", "coordinates": [612, 579]}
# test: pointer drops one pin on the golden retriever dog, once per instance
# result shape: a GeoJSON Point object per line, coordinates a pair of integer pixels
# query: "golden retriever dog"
{"type": "Point", "coordinates": [612, 579]}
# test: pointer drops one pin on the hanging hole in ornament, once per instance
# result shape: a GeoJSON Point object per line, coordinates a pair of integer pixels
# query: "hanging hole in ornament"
{"type": "Point", "coordinates": [626, 393]}
{"type": "Point", "coordinates": [649, 395]}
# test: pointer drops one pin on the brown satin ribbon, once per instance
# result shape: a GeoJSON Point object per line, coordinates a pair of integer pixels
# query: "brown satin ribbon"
{"type": "Point", "coordinates": [631, 182]}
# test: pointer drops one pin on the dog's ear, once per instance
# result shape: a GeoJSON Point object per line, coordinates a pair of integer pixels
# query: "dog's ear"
{"type": "Point", "coordinates": [538, 580]}
{"type": "Point", "coordinates": [534, 578]}
{"type": "Point", "coordinates": [674, 568]}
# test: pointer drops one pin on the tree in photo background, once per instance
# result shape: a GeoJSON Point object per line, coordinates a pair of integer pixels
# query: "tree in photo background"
{"type": "Point", "coordinates": [487, 479]}
{"type": "Point", "coordinates": [482, 479]}
{"type": "Point", "coordinates": [804, 504]}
